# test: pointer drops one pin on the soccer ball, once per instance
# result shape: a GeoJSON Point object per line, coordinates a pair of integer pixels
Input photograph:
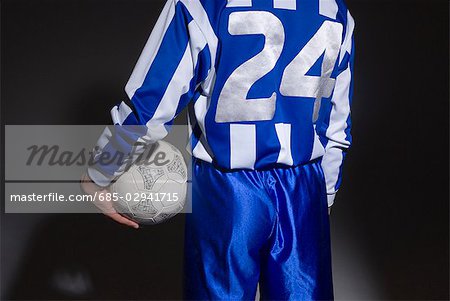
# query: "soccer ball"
{"type": "Point", "coordinates": [154, 188]}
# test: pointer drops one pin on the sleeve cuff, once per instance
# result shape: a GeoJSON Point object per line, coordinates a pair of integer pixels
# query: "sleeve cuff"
{"type": "Point", "coordinates": [99, 178]}
{"type": "Point", "coordinates": [330, 199]}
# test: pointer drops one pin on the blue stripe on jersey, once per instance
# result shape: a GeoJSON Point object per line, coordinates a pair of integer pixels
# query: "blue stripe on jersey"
{"type": "Point", "coordinates": [267, 146]}
{"type": "Point", "coordinates": [200, 74]}
{"type": "Point", "coordinates": [349, 119]}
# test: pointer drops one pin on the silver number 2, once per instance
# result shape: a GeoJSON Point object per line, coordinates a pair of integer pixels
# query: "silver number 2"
{"type": "Point", "coordinates": [233, 105]}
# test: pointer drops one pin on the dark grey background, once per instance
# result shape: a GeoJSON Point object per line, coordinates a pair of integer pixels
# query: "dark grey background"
{"type": "Point", "coordinates": [66, 62]}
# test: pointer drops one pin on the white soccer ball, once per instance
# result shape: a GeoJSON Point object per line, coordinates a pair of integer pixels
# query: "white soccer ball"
{"type": "Point", "coordinates": [154, 188]}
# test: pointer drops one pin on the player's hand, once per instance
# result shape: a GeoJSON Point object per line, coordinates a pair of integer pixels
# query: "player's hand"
{"type": "Point", "coordinates": [89, 187]}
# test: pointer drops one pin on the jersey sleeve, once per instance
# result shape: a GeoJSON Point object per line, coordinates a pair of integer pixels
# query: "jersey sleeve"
{"type": "Point", "coordinates": [337, 133]}
{"type": "Point", "coordinates": [172, 65]}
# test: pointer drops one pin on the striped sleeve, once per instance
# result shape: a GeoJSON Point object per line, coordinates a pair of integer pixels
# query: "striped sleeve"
{"type": "Point", "coordinates": [174, 62]}
{"type": "Point", "coordinates": [337, 134]}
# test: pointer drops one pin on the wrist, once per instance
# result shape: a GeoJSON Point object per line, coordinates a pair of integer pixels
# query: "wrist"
{"type": "Point", "coordinates": [88, 185]}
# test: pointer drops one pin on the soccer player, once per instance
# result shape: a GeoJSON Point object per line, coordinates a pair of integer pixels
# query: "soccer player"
{"type": "Point", "coordinates": [269, 88]}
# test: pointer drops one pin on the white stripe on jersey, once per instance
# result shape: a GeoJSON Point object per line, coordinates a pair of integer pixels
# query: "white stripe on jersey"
{"type": "Point", "coordinates": [336, 131]}
{"type": "Point", "coordinates": [242, 146]}
{"type": "Point", "coordinates": [328, 8]}
{"type": "Point", "coordinates": [120, 113]}
{"type": "Point", "coordinates": [200, 16]}
{"type": "Point", "coordinates": [239, 3]}
{"type": "Point", "coordinates": [200, 109]}
{"type": "Point", "coordinates": [331, 164]}
{"type": "Point", "coordinates": [284, 137]}
{"type": "Point", "coordinates": [200, 152]}
{"type": "Point", "coordinates": [340, 110]}
{"type": "Point", "coordinates": [333, 158]}
{"type": "Point", "coordinates": [285, 4]}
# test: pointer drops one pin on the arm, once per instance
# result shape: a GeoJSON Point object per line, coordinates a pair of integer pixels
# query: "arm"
{"type": "Point", "coordinates": [173, 63]}
{"type": "Point", "coordinates": [336, 131]}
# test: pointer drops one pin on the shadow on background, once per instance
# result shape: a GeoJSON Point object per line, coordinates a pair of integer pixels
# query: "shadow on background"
{"type": "Point", "coordinates": [86, 256]}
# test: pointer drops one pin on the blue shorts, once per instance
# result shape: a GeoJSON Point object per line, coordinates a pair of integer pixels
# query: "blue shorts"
{"type": "Point", "coordinates": [269, 226]}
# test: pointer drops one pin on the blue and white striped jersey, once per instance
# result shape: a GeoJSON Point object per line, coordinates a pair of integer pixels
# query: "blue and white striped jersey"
{"type": "Point", "coordinates": [268, 82]}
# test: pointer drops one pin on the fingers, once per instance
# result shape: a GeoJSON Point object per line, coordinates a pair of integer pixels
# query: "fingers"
{"type": "Point", "coordinates": [107, 208]}
{"type": "Point", "coordinates": [122, 220]}
{"type": "Point", "coordinates": [99, 193]}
